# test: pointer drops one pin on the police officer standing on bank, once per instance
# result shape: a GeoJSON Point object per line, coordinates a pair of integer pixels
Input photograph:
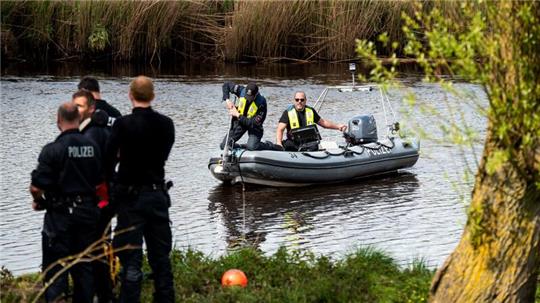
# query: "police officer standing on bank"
{"type": "Point", "coordinates": [64, 184]}
{"type": "Point", "coordinates": [93, 122]}
{"type": "Point", "coordinates": [92, 85]}
{"type": "Point", "coordinates": [248, 115]}
{"type": "Point", "coordinates": [94, 125]}
{"type": "Point", "coordinates": [141, 143]}
{"type": "Point", "coordinates": [95, 130]}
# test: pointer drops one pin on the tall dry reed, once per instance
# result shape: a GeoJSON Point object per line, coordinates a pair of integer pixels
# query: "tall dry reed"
{"type": "Point", "coordinates": [219, 30]}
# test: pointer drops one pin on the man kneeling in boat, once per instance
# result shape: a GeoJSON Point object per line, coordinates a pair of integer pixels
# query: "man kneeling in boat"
{"type": "Point", "coordinates": [248, 115]}
{"type": "Point", "coordinates": [299, 115]}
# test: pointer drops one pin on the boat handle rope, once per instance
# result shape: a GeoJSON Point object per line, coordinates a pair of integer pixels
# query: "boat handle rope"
{"type": "Point", "coordinates": [381, 145]}
{"type": "Point", "coordinates": [345, 151]}
{"type": "Point", "coordinates": [348, 150]}
{"type": "Point", "coordinates": [315, 157]}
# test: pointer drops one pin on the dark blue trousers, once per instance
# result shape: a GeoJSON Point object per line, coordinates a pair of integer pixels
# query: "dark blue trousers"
{"type": "Point", "coordinates": [254, 139]}
{"type": "Point", "coordinates": [63, 235]}
{"type": "Point", "coordinates": [146, 215]}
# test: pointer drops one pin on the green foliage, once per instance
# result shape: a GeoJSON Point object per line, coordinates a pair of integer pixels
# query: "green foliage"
{"type": "Point", "coordinates": [494, 44]}
{"type": "Point", "coordinates": [496, 160]}
{"type": "Point", "coordinates": [537, 297]}
{"type": "Point", "coordinates": [476, 223]}
{"type": "Point", "coordinates": [365, 275]}
{"type": "Point", "coordinates": [99, 38]}
{"type": "Point", "coordinates": [17, 289]}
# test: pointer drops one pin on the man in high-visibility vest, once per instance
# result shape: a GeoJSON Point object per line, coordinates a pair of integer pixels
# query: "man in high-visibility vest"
{"type": "Point", "coordinates": [300, 115]}
{"type": "Point", "coordinates": [248, 115]}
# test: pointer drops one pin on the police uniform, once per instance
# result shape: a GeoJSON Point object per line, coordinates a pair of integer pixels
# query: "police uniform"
{"type": "Point", "coordinates": [68, 171]}
{"type": "Point", "coordinates": [97, 129]}
{"type": "Point", "coordinates": [251, 119]}
{"type": "Point", "coordinates": [297, 119]}
{"type": "Point", "coordinates": [142, 141]}
{"type": "Point", "coordinates": [111, 111]}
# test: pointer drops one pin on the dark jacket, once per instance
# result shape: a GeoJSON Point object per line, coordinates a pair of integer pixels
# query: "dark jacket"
{"type": "Point", "coordinates": [109, 109]}
{"type": "Point", "coordinates": [98, 130]}
{"type": "Point", "coordinates": [69, 166]}
{"type": "Point", "coordinates": [256, 122]}
{"type": "Point", "coordinates": [141, 143]}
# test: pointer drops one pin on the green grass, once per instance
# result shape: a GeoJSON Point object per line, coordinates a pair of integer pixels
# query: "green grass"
{"type": "Point", "coordinates": [363, 276]}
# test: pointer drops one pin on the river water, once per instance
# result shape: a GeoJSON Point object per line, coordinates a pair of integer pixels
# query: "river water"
{"type": "Point", "coordinates": [416, 214]}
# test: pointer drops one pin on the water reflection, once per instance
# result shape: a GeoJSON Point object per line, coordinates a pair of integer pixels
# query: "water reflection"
{"type": "Point", "coordinates": [305, 212]}
{"type": "Point", "coordinates": [190, 71]}
{"type": "Point", "coordinates": [408, 216]}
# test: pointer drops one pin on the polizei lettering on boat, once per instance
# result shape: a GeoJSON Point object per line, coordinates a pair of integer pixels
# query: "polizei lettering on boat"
{"type": "Point", "coordinates": [380, 151]}
{"type": "Point", "coordinates": [81, 151]}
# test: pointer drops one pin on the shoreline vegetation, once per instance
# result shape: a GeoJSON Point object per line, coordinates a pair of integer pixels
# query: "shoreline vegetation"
{"type": "Point", "coordinates": [364, 275]}
{"type": "Point", "coordinates": [228, 31]}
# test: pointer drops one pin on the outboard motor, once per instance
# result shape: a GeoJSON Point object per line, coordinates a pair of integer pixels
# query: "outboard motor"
{"type": "Point", "coordinates": [361, 130]}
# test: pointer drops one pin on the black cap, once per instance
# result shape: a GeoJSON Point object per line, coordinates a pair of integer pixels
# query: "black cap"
{"type": "Point", "coordinates": [251, 91]}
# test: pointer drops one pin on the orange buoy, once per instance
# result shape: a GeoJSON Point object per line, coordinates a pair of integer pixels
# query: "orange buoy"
{"type": "Point", "coordinates": [234, 277]}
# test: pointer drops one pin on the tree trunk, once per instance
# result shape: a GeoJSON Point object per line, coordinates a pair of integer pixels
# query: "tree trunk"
{"type": "Point", "coordinates": [497, 259]}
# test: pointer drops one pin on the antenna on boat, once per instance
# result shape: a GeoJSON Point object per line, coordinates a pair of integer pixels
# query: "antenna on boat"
{"type": "Point", "coordinates": [343, 88]}
{"type": "Point", "coordinates": [352, 69]}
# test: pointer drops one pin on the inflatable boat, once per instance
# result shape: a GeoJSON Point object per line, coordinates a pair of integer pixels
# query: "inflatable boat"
{"type": "Point", "coordinates": [332, 165]}
{"type": "Point", "coordinates": [362, 154]}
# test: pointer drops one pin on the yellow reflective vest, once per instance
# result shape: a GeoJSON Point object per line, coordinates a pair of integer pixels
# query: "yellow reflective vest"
{"type": "Point", "coordinates": [242, 107]}
{"type": "Point", "coordinates": [293, 117]}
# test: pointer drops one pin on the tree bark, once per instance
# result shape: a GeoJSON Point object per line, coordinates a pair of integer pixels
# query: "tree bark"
{"type": "Point", "coordinates": [497, 259]}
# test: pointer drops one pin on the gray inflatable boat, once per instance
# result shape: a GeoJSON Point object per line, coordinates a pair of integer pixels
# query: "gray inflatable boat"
{"type": "Point", "coordinates": [338, 164]}
{"type": "Point", "coordinates": [362, 155]}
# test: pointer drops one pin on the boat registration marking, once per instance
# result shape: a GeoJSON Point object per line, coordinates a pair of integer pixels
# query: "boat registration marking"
{"type": "Point", "coordinates": [381, 151]}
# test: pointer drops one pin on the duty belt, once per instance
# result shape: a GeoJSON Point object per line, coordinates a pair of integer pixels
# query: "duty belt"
{"type": "Point", "coordinates": [135, 189]}
{"type": "Point", "coordinates": [60, 202]}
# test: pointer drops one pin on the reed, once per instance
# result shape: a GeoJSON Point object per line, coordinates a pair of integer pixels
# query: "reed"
{"type": "Point", "coordinates": [122, 30]}
{"type": "Point", "coordinates": [217, 30]}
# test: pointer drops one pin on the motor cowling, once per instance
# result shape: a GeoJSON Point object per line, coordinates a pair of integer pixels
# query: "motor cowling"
{"type": "Point", "coordinates": [362, 129]}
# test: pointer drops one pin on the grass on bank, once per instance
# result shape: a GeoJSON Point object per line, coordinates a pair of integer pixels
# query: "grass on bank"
{"type": "Point", "coordinates": [365, 275]}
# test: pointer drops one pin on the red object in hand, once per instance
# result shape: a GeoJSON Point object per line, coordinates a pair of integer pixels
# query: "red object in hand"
{"type": "Point", "coordinates": [103, 203]}
{"type": "Point", "coordinates": [234, 277]}
{"type": "Point", "coordinates": [103, 194]}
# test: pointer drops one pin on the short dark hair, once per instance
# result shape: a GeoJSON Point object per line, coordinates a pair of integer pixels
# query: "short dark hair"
{"type": "Point", "coordinates": [90, 101]}
{"type": "Point", "coordinates": [89, 83]}
{"type": "Point", "coordinates": [68, 112]}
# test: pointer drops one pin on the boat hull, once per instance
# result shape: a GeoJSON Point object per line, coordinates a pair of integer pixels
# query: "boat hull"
{"type": "Point", "coordinates": [278, 168]}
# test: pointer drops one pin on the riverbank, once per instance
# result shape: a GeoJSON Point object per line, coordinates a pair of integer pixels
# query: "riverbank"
{"type": "Point", "coordinates": [230, 31]}
{"type": "Point", "coordinates": [365, 275]}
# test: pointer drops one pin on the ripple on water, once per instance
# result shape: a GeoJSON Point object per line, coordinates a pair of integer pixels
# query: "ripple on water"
{"type": "Point", "coordinates": [417, 214]}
